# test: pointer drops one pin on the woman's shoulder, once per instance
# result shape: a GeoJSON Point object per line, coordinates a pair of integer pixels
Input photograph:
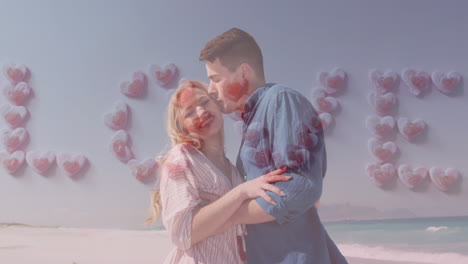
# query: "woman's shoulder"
{"type": "Point", "coordinates": [181, 149]}
{"type": "Point", "coordinates": [180, 154]}
{"type": "Point", "coordinates": [177, 161]}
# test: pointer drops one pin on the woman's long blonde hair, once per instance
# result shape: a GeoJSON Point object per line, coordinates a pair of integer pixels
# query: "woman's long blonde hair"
{"type": "Point", "coordinates": [178, 135]}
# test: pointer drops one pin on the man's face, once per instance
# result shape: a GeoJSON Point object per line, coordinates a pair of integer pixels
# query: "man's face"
{"type": "Point", "coordinates": [229, 88]}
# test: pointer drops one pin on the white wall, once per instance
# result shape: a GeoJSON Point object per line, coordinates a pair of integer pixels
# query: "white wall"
{"type": "Point", "coordinates": [79, 51]}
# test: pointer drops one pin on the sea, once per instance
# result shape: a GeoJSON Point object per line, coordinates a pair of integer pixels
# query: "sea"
{"type": "Point", "coordinates": [441, 240]}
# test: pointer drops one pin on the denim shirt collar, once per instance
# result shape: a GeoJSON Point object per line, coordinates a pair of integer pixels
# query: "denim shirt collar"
{"type": "Point", "coordinates": [253, 100]}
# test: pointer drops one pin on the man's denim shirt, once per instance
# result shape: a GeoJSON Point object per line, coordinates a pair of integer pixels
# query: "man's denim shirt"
{"type": "Point", "coordinates": [281, 128]}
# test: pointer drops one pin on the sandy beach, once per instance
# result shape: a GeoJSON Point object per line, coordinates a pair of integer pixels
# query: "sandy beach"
{"type": "Point", "coordinates": [57, 245]}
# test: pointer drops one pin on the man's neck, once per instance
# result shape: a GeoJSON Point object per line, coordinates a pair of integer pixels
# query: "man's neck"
{"type": "Point", "coordinates": [252, 88]}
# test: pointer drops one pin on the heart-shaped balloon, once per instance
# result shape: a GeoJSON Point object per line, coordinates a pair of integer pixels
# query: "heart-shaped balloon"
{"type": "Point", "coordinates": [14, 139]}
{"type": "Point", "coordinates": [143, 170]}
{"type": "Point", "coordinates": [322, 102]}
{"type": "Point", "coordinates": [444, 179]}
{"type": "Point", "coordinates": [382, 151]}
{"type": "Point", "coordinates": [411, 177]}
{"type": "Point", "coordinates": [17, 94]}
{"type": "Point", "coordinates": [12, 162]}
{"type": "Point", "coordinates": [383, 81]}
{"type": "Point", "coordinates": [446, 82]}
{"type": "Point", "coordinates": [13, 115]}
{"type": "Point", "coordinates": [381, 174]}
{"type": "Point", "coordinates": [15, 74]}
{"type": "Point", "coordinates": [71, 164]}
{"type": "Point", "coordinates": [381, 127]}
{"type": "Point", "coordinates": [321, 122]}
{"type": "Point", "coordinates": [40, 161]}
{"type": "Point", "coordinates": [163, 75]}
{"type": "Point", "coordinates": [382, 103]}
{"type": "Point", "coordinates": [136, 86]}
{"type": "Point", "coordinates": [332, 81]}
{"type": "Point", "coordinates": [416, 80]}
{"type": "Point", "coordinates": [410, 129]}
{"type": "Point", "coordinates": [117, 118]}
{"type": "Point", "coordinates": [119, 146]}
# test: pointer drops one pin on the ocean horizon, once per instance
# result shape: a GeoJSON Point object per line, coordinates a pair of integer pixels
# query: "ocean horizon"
{"type": "Point", "coordinates": [414, 240]}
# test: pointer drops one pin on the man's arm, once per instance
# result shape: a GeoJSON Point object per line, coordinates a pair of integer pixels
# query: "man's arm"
{"type": "Point", "coordinates": [296, 144]}
{"type": "Point", "coordinates": [250, 212]}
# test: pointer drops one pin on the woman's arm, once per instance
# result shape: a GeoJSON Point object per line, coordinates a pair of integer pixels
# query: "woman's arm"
{"type": "Point", "coordinates": [209, 220]}
{"type": "Point", "coordinates": [244, 213]}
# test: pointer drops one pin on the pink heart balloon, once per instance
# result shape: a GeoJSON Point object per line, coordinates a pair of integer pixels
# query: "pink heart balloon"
{"type": "Point", "coordinates": [381, 127]}
{"type": "Point", "coordinates": [322, 102]}
{"type": "Point", "coordinates": [117, 118]}
{"type": "Point", "coordinates": [71, 164]}
{"type": "Point", "coordinates": [382, 103]}
{"type": "Point", "coordinates": [381, 174]}
{"type": "Point", "coordinates": [40, 161]}
{"type": "Point", "coordinates": [410, 129]}
{"type": "Point", "coordinates": [320, 122]}
{"type": "Point", "coordinates": [383, 81]}
{"type": "Point", "coordinates": [17, 94]}
{"type": "Point", "coordinates": [163, 75]}
{"type": "Point", "coordinates": [119, 146]}
{"type": "Point", "coordinates": [326, 120]}
{"type": "Point", "coordinates": [416, 80]}
{"type": "Point", "coordinates": [12, 162]}
{"type": "Point", "coordinates": [332, 81]}
{"type": "Point", "coordinates": [382, 152]}
{"type": "Point", "coordinates": [411, 177]}
{"type": "Point", "coordinates": [14, 139]}
{"type": "Point", "coordinates": [446, 82]}
{"type": "Point", "coordinates": [13, 115]}
{"type": "Point", "coordinates": [143, 170]}
{"type": "Point", "coordinates": [135, 87]}
{"type": "Point", "coordinates": [444, 179]}
{"type": "Point", "coordinates": [15, 74]}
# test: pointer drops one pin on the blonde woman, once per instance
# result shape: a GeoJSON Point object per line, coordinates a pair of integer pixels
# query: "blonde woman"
{"type": "Point", "coordinates": [195, 170]}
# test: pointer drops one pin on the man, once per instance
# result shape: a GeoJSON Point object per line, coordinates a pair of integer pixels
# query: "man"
{"type": "Point", "coordinates": [280, 130]}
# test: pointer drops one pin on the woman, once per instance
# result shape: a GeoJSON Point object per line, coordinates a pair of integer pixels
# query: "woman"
{"type": "Point", "coordinates": [196, 169]}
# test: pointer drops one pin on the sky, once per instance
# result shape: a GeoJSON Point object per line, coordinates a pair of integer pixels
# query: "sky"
{"type": "Point", "coordinates": [78, 53]}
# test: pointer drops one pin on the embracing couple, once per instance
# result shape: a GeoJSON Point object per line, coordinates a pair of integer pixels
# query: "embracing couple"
{"type": "Point", "coordinates": [263, 210]}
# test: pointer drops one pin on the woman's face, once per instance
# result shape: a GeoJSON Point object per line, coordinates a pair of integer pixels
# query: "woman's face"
{"type": "Point", "coordinates": [201, 116]}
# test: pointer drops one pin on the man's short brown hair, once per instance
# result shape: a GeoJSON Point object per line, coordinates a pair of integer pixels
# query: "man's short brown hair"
{"type": "Point", "coordinates": [233, 48]}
